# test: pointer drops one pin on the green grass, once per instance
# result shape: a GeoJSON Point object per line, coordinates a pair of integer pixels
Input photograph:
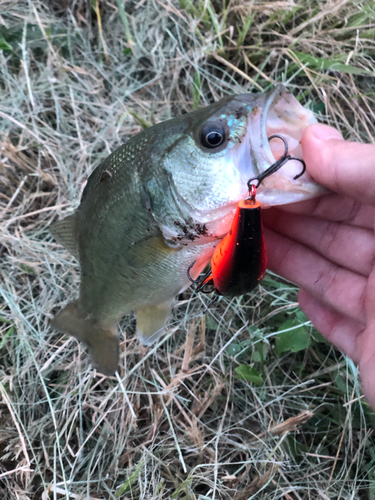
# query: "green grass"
{"type": "Point", "coordinates": [197, 416]}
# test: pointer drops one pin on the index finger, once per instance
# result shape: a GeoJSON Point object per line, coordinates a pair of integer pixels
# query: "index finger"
{"type": "Point", "coordinates": [334, 207]}
{"type": "Point", "coordinates": [347, 168]}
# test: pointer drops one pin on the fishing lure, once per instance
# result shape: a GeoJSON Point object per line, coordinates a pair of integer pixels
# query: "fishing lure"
{"type": "Point", "coordinates": [239, 262]}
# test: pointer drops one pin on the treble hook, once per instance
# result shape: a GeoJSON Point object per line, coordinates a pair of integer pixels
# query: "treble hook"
{"type": "Point", "coordinates": [278, 164]}
{"type": "Point", "coordinates": [201, 282]}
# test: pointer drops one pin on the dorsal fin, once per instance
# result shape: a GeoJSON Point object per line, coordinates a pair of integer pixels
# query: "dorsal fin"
{"type": "Point", "coordinates": [64, 232]}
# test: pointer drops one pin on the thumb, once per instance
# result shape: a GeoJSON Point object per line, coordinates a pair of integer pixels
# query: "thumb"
{"type": "Point", "coordinates": [347, 168]}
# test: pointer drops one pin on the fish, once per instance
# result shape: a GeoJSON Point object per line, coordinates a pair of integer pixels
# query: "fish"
{"type": "Point", "coordinates": [165, 199]}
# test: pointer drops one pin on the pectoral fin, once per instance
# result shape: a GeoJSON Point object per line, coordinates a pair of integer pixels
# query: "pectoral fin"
{"type": "Point", "coordinates": [151, 322]}
{"type": "Point", "coordinates": [64, 232]}
{"type": "Point", "coordinates": [102, 341]}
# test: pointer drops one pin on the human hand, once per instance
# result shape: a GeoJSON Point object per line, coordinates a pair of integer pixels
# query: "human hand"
{"type": "Point", "coordinates": [326, 246]}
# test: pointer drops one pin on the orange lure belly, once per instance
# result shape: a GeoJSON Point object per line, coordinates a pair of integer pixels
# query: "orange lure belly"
{"type": "Point", "coordinates": [240, 260]}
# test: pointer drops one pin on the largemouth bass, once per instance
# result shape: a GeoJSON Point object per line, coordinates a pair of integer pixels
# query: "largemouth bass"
{"type": "Point", "coordinates": [164, 200]}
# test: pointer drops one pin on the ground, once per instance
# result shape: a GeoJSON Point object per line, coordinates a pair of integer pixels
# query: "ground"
{"type": "Point", "coordinates": [248, 401]}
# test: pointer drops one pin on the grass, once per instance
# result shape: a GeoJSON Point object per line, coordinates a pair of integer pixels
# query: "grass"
{"type": "Point", "coordinates": [223, 408]}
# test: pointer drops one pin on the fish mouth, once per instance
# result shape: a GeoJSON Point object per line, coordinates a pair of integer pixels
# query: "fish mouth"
{"type": "Point", "coordinates": [277, 112]}
{"type": "Point", "coordinates": [280, 113]}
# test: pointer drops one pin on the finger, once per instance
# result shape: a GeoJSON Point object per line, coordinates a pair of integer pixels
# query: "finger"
{"type": "Point", "coordinates": [348, 246]}
{"type": "Point", "coordinates": [345, 167]}
{"type": "Point", "coordinates": [338, 288]}
{"type": "Point", "coordinates": [335, 207]}
{"type": "Point", "coordinates": [345, 333]}
{"type": "Point", "coordinates": [367, 363]}
{"type": "Point", "coordinates": [367, 373]}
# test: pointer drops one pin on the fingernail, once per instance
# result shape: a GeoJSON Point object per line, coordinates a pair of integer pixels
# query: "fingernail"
{"type": "Point", "coordinates": [325, 133]}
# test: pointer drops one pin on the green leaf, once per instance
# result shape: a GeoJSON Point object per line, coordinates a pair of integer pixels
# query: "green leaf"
{"type": "Point", "coordinates": [318, 107]}
{"type": "Point", "coordinates": [365, 16]}
{"type": "Point", "coordinates": [211, 324]}
{"type": "Point", "coordinates": [234, 349]}
{"type": "Point", "coordinates": [4, 45]}
{"type": "Point", "coordinates": [241, 347]}
{"type": "Point", "coordinates": [293, 337]}
{"type": "Point", "coordinates": [250, 374]}
{"type": "Point", "coordinates": [5, 338]}
{"type": "Point", "coordinates": [242, 33]}
{"type": "Point", "coordinates": [318, 63]}
{"type": "Point", "coordinates": [139, 120]}
{"type": "Point", "coordinates": [318, 337]}
{"type": "Point", "coordinates": [301, 316]}
{"type": "Point", "coordinates": [215, 23]}
{"type": "Point", "coordinates": [3, 320]}
{"type": "Point", "coordinates": [269, 281]}
{"type": "Point", "coordinates": [121, 490]}
{"type": "Point", "coordinates": [260, 352]}
{"type": "Point", "coordinates": [182, 488]}
{"type": "Point", "coordinates": [27, 269]}
{"type": "Point", "coordinates": [341, 384]}
{"type": "Point", "coordinates": [367, 34]}
{"type": "Point", "coordinates": [127, 51]}
{"type": "Point", "coordinates": [290, 13]}
{"type": "Point", "coordinates": [196, 90]}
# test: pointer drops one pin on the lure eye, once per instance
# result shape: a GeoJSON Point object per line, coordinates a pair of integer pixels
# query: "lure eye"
{"type": "Point", "coordinates": [212, 137]}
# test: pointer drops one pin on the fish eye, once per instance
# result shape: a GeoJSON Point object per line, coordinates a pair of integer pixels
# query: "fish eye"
{"type": "Point", "coordinates": [212, 136]}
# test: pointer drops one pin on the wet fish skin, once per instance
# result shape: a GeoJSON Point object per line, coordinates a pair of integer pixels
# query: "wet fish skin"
{"type": "Point", "coordinates": [156, 204]}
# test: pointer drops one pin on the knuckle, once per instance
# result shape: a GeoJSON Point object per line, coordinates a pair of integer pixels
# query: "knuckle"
{"type": "Point", "coordinates": [327, 282]}
{"type": "Point", "coordinates": [354, 209]}
{"type": "Point", "coordinates": [328, 238]}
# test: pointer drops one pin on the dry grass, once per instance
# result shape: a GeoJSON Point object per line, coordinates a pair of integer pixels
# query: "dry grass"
{"type": "Point", "coordinates": [77, 79]}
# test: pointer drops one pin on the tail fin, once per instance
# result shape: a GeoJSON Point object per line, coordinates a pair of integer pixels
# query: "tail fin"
{"type": "Point", "coordinates": [102, 342]}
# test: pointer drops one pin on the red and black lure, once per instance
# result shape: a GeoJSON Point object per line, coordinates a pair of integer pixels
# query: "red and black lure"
{"type": "Point", "coordinates": [239, 261]}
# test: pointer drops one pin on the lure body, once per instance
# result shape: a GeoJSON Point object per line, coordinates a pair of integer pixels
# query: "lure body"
{"type": "Point", "coordinates": [240, 260]}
